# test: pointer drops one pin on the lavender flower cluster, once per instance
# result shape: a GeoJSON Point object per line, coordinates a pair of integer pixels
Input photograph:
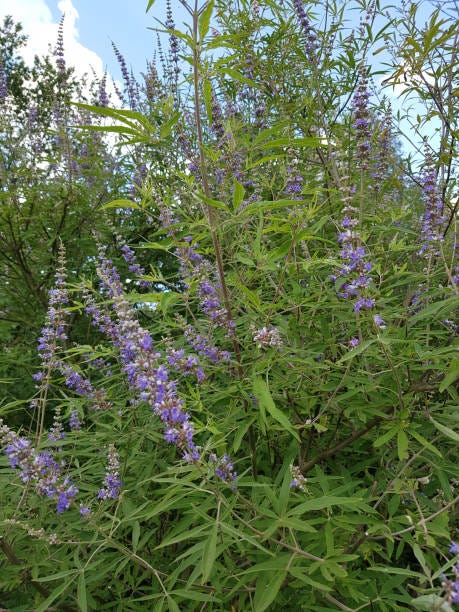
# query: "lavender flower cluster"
{"type": "Point", "coordinates": [224, 469]}
{"type": "Point", "coordinates": [294, 183]}
{"type": "Point", "coordinates": [174, 46]}
{"type": "Point", "coordinates": [130, 84]}
{"type": "Point", "coordinates": [362, 120]}
{"type": "Point", "coordinates": [267, 337]}
{"type": "Point", "coordinates": [194, 266]}
{"type": "Point", "coordinates": [3, 82]}
{"type": "Point", "coordinates": [134, 267]}
{"type": "Point", "coordinates": [146, 375]}
{"type": "Point", "coordinates": [451, 587]}
{"type": "Point", "coordinates": [432, 219]}
{"type": "Point", "coordinates": [38, 468]}
{"type": "Point", "coordinates": [204, 347]}
{"type": "Point", "coordinates": [112, 480]}
{"type": "Point", "coordinates": [356, 267]}
{"type": "Point", "coordinates": [298, 480]}
{"type": "Point", "coordinates": [51, 341]}
{"type": "Point", "coordinates": [312, 43]}
{"type": "Point", "coordinates": [59, 50]}
{"type": "Point", "coordinates": [188, 364]}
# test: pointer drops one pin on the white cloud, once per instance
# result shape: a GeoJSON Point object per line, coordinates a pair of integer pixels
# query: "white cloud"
{"type": "Point", "coordinates": [38, 24]}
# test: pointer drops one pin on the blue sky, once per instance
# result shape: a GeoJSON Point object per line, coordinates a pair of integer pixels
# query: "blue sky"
{"type": "Point", "coordinates": [90, 27]}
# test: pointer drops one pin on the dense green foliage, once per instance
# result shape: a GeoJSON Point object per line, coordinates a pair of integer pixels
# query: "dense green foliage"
{"type": "Point", "coordinates": [291, 316]}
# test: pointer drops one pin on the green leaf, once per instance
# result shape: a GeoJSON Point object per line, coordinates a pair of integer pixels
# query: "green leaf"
{"type": "Point", "coordinates": [268, 585]}
{"type": "Point", "coordinates": [209, 553]}
{"type": "Point", "coordinates": [451, 376]}
{"type": "Point", "coordinates": [328, 501]}
{"type": "Point", "coordinates": [427, 603]}
{"type": "Point", "coordinates": [57, 576]}
{"type": "Point", "coordinates": [238, 195]}
{"type": "Point", "coordinates": [135, 535]}
{"type": "Point", "coordinates": [293, 142]}
{"type": "Point", "coordinates": [356, 351]}
{"type": "Point", "coordinates": [297, 524]}
{"type": "Point", "coordinates": [149, 5]}
{"type": "Point", "coordinates": [172, 605]}
{"type": "Point", "coordinates": [212, 202]}
{"type": "Point", "coordinates": [207, 95]}
{"type": "Point", "coordinates": [167, 299]}
{"type": "Point", "coordinates": [237, 76]}
{"type": "Point", "coordinates": [422, 560]}
{"type": "Point", "coordinates": [401, 571]}
{"type": "Point", "coordinates": [122, 204]}
{"type": "Point", "coordinates": [43, 607]}
{"type": "Point", "coordinates": [194, 595]}
{"type": "Point", "coordinates": [166, 128]}
{"type": "Point", "coordinates": [402, 445]}
{"type": "Point", "coordinates": [187, 534]}
{"type": "Point", "coordinates": [81, 593]}
{"type": "Point", "coordinates": [417, 436]}
{"type": "Point", "coordinates": [240, 433]}
{"type": "Point", "coordinates": [385, 437]}
{"type": "Point", "coordinates": [204, 20]}
{"type": "Point", "coordinates": [263, 394]}
{"type": "Point", "coordinates": [449, 433]}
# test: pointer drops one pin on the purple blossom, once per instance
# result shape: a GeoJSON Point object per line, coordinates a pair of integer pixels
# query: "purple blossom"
{"type": "Point", "coordinates": [379, 321]}
{"type": "Point", "coordinates": [84, 510]}
{"type": "Point", "coordinates": [216, 126]}
{"type": "Point", "coordinates": [432, 218]}
{"type": "Point", "coordinates": [103, 97]}
{"type": "Point", "coordinates": [224, 469]}
{"type": "Point", "coordinates": [382, 157]}
{"type": "Point", "coordinates": [147, 377]}
{"type": "Point", "coordinates": [311, 37]}
{"type": "Point", "coordinates": [65, 495]}
{"type": "Point", "coordinates": [454, 548]}
{"type": "Point", "coordinates": [188, 364]}
{"type": "Point", "coordinates": [267, 337]}
{"type": "Point", "coordinates": [298, 480]}
{"type": "Point", "coordinates": [362, 120]}
{"type": "Point", "coordinates": [204, 347]}
{"type": "Point", "coordinates": [451, 587]}
{"type": "Point", "coordinates": [3, 83]}
{"type": "Point", "coordinates": [356, 267]}
{"type": "Point", "coordinates": [59, 49]}
{"type": "Point", "coordinates": [129, 80]}
{"type": "Point", "coordinates": [363, 303]}
{"type": "Point", "coordinates": [112, 480]}
{"type": "Point", "coordinates": [74, 421]}
{"type": "Point", "coordinates": [294, 185]}
{"type": "Point", "coordinates": [134, 267]}
{"type": "Point", "coordinates": [194, 266]}
{"type": "Point", "coordinates": [173, 42]}
{"type": "Point", "coordinates": [37, 468]}
{"type": "Point", "coordinates": [53, 334]}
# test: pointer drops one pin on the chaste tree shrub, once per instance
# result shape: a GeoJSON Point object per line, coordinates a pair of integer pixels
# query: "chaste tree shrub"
{"type": "Point", "coordinates": [263, 414]}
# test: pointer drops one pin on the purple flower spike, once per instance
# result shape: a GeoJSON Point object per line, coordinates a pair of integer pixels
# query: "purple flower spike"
{"type": "Point", "coordinates": [224, 469]}
{"type": "Point", "coordinates": [362, 120]}
{"type": "Point", "coordinates": [432, 219]}
{"type": "Point", "coordinates": [112, 480]}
